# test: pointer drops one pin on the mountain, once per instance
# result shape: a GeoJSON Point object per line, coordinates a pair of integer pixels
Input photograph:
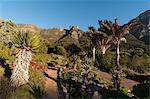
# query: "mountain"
{"type": "Point", "coordinates": [139, 34]}
{"type": "Point", "coordinates": [142, 30]}
{"type": "Point", "coordinates": [70, 36]}
{"type": "Point", "coordinates": [52, 35]}
{"type": "Point", "coordinates": [29, 27]}
{"type": "Point", "coordinates": [48, 35]}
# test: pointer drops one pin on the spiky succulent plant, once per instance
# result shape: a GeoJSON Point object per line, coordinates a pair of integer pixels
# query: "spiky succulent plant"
{"type": "Point", "coordinates": [26, 40]}
{"type": "Point", "coordinates": [27, 43]}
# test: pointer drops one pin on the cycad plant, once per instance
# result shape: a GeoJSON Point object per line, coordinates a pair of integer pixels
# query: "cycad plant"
{"type": "Point", "coordinates": [26, 43]}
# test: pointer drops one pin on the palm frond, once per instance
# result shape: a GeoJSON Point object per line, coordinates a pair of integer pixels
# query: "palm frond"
{"type": "Point", "coordinates": [124, 28]}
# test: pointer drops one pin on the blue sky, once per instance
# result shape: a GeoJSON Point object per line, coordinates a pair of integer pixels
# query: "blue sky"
{"type": "Point", "coordinates": [63, 13]}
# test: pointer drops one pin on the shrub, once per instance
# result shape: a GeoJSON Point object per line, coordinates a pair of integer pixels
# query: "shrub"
{"type": "Point", "coordinates": [105, 62]}
{"type": "Point", "coordinates": [36, 77]}
{"type": "Point", "coordinates": [42, 58]}
{"type": "Point", "coordinates": [73, 49]}
{"type": "Point", "coordinates": [50, 59]}
{"type": "Point", "coordinates": [112, 94]}
{"type": "Point", "coordinates": [79, 82]}
{"type": "Point", "coordinates": [126, 91]}
{"type": "Point", "coordinates": [136, 76]}
{"type": "Point", "coordinates": [56, 60]}
{"type": "Point", "coordinates": [60, 50]}
{"type": "Point", "coordinates": [36, 91]}
{"type": "Point", "coordinates": [142, 90]}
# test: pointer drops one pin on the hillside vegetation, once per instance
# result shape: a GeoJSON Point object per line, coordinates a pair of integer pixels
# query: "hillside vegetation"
{"type": "Point", "coordinates": [28, 51]}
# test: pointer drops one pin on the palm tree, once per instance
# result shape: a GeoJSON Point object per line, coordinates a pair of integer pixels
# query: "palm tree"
{"type": "Point", "coordinates": [106, 39]}
{"type": "Point", "coordinates": [100, 39]}
{"type": "Point", "coordinates": [26, 43]}
{"type": "Point", "coordinates": [118, 33]}
{"type": "Point", "coordinates": [92, 30]}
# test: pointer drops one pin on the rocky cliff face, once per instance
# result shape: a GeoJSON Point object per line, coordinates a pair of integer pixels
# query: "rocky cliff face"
{"type": "Point", "coordinates": [29, 27]}
{"type": "Point", "coordinates": [142, 30]}
{"type": "Point", "coordinates": [48, 35]}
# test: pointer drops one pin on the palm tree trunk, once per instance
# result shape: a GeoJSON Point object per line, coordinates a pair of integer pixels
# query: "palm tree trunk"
{"type": "Point", "coordinates": [118, 55]}
{"type": "Point", "coordinates": [103, 49]}
{"type": "Point", "coordinates": [94, 54]}
{"type": "Point", "coordinates": [20, 74]}
{"type": "Point", "coordinates": [117, 80]}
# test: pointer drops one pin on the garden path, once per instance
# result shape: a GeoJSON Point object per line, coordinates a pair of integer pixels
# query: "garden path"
{"type": "Point", "coordinates": [124, 81]}
{"type": "Point", "coordinates": [54, 91]}
{"type": "Point", "coordinates": [52, 86]}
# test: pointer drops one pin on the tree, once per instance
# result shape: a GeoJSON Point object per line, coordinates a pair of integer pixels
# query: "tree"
{"type": "Point", "coordinates": [118, 32]}
{"type": "Point", "coordinates": [106, 39]}
{"type": "Point", "coordinates": [92, 30]}
{"type": "Point", "coordinates": [100, 39]}
{"type": "Point", "coordinates": [26, 43]}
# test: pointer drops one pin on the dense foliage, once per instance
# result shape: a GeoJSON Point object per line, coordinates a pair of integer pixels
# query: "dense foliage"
{"type": "Point", "coordinates": [78, 82]}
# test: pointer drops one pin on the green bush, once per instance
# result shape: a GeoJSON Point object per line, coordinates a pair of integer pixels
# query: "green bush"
{"type": "Point", "coordinates": [142, 90]}
{"type": "Point", "coordinates": [36, 91]}
{"type": "Point", "coordinates": [50, 59]}
{"type": "Point", "coordinates": [78, 82]}
{"type": "Point", "coordinates": [109, 93]}
{"type": "Point", "coordinates": [42, 58]}
{"type": "Point", "coordinates": [126, 91]}
{"type": "Point", "coordinates": [60, 50]}
{"type": "Point", "coordinates": [136, 76]}
{"type": "Point", "coordinates": [105, 62]}
{"type": "Point", "coordinates": [56, 60]}
{"type": "Point", "coordinates": [73, 49]}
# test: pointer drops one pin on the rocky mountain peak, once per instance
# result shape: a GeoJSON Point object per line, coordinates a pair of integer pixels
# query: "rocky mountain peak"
{"type": "Point", "coordinates": [142, 30]}
{"type": "Point", "coordinates": [145, 17]}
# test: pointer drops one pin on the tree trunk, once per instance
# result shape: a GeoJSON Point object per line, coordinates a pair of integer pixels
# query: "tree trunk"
{"type": "Point", "coordinates": [20, 74]}
{"type": "Point", "coordinates": [118, 55]}
{"type": "Point", "coordinates": [94, 54]}
{"type": "Point", "coordinates": [117, 80]}
{"type": "Point", "coordinates": [103, 49]}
